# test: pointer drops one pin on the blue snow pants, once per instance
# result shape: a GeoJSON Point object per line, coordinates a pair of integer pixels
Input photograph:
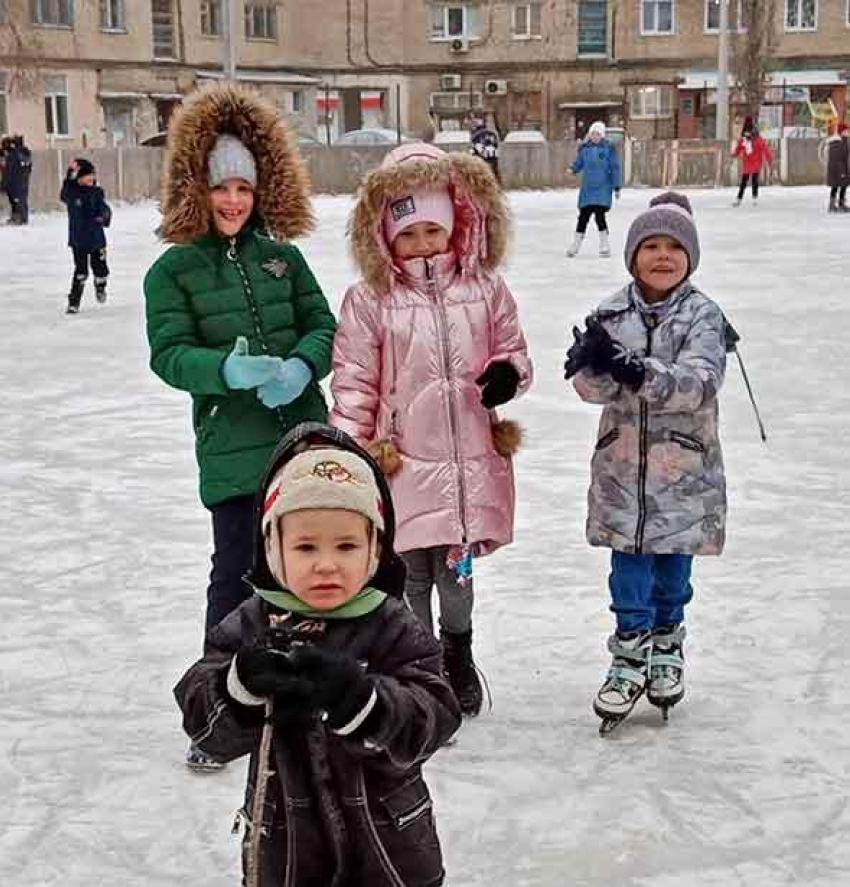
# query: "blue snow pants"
{"type": "Point", "coordinates": [649, 590]}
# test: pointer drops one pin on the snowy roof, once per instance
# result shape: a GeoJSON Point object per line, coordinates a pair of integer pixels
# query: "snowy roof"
{"type": "Point", "coordinates": [251, 76]}
{"type": "Point", "coordinates": [819, 77]}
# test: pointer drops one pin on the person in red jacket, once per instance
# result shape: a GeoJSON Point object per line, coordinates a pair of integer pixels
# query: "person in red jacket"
{"type": "Point", "coordinates": [754, 152]}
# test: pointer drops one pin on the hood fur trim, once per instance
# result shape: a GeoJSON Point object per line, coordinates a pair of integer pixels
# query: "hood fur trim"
{"type": "Point", "coordinates": [282, 195]}
{"type": "Point", "coordinates": [482, 218]}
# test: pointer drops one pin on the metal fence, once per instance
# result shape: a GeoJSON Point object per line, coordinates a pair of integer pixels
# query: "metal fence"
{"type": "Point", "coordinates": [132, 174]}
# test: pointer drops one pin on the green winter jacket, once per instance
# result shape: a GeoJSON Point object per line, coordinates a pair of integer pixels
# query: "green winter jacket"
{"type": "Point", "coordinates": [199, 298]}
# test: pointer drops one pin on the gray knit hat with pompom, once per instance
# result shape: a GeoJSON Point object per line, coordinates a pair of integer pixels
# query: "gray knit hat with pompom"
{"type": "Point", "coordinates": [669, 213]}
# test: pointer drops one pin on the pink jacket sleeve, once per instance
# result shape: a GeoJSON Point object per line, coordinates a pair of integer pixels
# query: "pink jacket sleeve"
{"type": "Point", "coordinates": [508, 339]}
{"type": "Point", "coordinates": [356, 381]}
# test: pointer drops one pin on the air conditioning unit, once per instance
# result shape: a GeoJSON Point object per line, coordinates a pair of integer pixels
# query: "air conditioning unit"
{"type": "Point", "coordinates": [496, 87]}
{"type": "Point", "coordinates": [459, 44]}
{"type": "Point", "coordinates": [454, 102]}
{"type": "Point", "coordinates": [450, 81]}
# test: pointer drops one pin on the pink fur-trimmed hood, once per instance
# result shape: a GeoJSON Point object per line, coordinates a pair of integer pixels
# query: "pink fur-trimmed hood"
{"type": "Point", "coordinates": [482, 219]}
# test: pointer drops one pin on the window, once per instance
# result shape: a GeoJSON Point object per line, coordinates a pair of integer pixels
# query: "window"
{"type": "Point", "coordinates": [656, 17]}
{"type": "Point", "coordinates": [4, 119]}
{"type": "Point", "coordinates": [211, 13]}
{"type": "Point", "coordinates": [53, 12]}
{"type": "Point", "coordinates": [593, 27]}
{"type": "Point", "coordinates": [652, 101]}
{"type": "Point", "coordinates": [737, 15]}
{"type": "Point", "coordinates": [801, 15]}
{"type": "Point", "coordinates": [450, 21]}
{"type": "Point", "coordinates": [56, 105]}
{"type": "Point", "coordinates": [261, 21]}
{"type": "Point", "coordinates": [297, 101]}
{"type": "Point", "coordinates": [162, 16]}
{"type": "Point", "coordinates": [112, 15]}
{"type": "Point", "coordinates": [527, 20]}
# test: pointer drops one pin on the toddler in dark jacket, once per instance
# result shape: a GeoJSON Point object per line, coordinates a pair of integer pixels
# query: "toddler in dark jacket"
{"type": "Point", "coordinates": [88, 215]}
{"type": "Point", "coordinates": [331, 684]}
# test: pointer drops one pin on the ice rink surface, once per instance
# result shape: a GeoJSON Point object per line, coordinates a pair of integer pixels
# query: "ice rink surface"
{"type": "Point", "coordinates": [104, 557]}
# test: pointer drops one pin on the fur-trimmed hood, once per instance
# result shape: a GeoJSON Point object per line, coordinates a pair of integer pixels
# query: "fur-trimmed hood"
{"type": "Point", "coordinates": [283, 186]}
{"type": "Point", "coordinates": [482, 219]}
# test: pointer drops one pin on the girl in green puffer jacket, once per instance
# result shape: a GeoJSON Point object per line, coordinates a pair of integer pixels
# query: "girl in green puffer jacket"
{"type": "Point", "coordinates": [234, 314]}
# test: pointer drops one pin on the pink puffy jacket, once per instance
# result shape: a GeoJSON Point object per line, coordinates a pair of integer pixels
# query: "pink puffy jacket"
{"type": "Point", "coordinates": [411, 340]}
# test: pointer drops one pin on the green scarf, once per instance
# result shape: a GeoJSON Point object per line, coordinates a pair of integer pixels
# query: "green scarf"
{"type": "Point", "coordinates": [365, 601]}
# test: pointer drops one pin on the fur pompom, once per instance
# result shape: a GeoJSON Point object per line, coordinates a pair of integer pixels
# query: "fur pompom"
{"type": "Point", "coordinates": [507, 436]}
{"type": "Point", "coordinates": [384, 452]}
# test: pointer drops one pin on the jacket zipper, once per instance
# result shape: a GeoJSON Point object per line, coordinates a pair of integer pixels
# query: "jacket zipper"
{"type": "Point", "coordinates": [233, 256]}
{"type": "Point", "coordinates": [643, 457]}
{"type": "Point", "coordinates": [386, 863]}
{"type": "Point", "coordinates": [443, 325]}
{"type": "Point", "coordinates": [405, 820]}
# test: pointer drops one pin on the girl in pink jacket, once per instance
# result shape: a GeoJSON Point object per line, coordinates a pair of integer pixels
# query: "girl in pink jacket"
{"type": "Point", "coordinates": [428, 344]}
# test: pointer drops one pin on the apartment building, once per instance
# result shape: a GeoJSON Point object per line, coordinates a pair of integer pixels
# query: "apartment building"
{"type": "Point", "coordinates": [103, 72]}
{"type": "Point", "coordinates": [98, 73]}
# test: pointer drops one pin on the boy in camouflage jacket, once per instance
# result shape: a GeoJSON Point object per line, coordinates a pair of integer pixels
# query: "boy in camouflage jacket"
{"type": "Point", "coordinates": [654, 356]}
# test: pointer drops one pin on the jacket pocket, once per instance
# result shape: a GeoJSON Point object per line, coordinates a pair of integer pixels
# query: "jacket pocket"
{"type": "Point", "coordinates": [607, 439]}
{"type": "Point", "coordinates": [407, 835]}
{"type": "Point", "coordinates": [687, 442]}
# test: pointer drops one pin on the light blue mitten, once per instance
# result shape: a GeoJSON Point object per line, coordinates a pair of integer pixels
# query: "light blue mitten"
{"type": "Point", "coordinates": [243, 370]}
{"type": "Point", "coordinates": [292, 378]}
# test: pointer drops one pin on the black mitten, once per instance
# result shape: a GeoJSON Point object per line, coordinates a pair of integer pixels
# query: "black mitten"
{"type": "Point", "coordinates": [341, 688]}
{"type": "Point", "coordinates": [500, 381]}
{"type": "Point", "coordinates": [576, 354]}
{"type": "Point", "coordinates": [599, 346]}
{"type": "Point", "coordinates": [627, 369]}
{"type": "Point", "coordinates": [263, 670]}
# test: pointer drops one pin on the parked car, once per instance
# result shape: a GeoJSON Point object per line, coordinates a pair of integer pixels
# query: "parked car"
{"type": "Point", "coordinates": [524, 136]}
{"type": "Point", "coordinates": [371, 136]}
{"type": "Point", "coordinates": [453, 138]}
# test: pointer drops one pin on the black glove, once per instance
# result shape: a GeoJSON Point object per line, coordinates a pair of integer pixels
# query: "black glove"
{"type": "Point", "coordinates": [267, 672]}
{"type": "Point", "coordinates": [500, 381]}
{"type": "Point", "coordinates": [576, 354]}
{"type": "Point", "coordinates": [605, 355]}
{"type": "Point", "coordinates": [340, 687]}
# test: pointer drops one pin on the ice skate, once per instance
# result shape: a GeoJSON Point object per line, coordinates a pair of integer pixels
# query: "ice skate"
{"type": "Point", "coordinates": [833, 205]}
{"type": "Point", "coordinates": [604, 244]}
{"type": "Point", "coordinates": [736, 202]}
{"type": "Point", "coordinates": [76, 295]}
{"type": "Point", "coordinates": [666, 686]}
{"type": "Point", "coordinates": [72, 309]}
{"type": "Point", "coordinates": [573, 250]}
{"type": "Point", "coordinates": [100, 289]}
{"type": "Point", "coordinates": [626, 679]}
{"type": "Point", "coordinates": [199, 762]}
{"type": "Point", "coordinates": [461, 672]}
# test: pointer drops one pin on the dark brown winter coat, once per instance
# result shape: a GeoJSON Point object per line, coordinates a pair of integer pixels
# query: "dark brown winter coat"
{"type": "Point", "coordinates": [838, 161]}
{"type": "Point", "coordinates": [340, 811]}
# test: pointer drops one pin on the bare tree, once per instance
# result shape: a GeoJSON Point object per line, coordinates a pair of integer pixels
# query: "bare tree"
{"type": "Point", "coordinates": [754, 49]}
{"type": "Point", "coordinates": [19, 49]}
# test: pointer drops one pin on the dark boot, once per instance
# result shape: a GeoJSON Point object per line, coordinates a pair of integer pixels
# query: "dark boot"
{"type": "Point", "coordinates": [100, 289]}
{"type": "Point", "coordinates": [459, 668]}
{"type": "Point", "coordinates": [76, 295]}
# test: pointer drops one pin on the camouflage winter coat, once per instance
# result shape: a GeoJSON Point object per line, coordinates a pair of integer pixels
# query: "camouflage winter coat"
{"type": "Point", "coordinates": [657, 484]}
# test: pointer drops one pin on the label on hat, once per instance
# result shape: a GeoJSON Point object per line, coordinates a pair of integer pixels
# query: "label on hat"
{"type": "Point", "coordinates": [402, 208]}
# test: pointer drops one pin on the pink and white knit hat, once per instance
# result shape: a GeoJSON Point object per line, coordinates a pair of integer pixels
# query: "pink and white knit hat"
{"type": "Point", "coordinates": [419, 206]}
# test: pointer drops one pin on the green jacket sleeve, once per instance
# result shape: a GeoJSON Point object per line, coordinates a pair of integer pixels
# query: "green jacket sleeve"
{"type": "Point", "coordinates": [176, 356]}
{"type": "Point", "coordinates": [314, 320]}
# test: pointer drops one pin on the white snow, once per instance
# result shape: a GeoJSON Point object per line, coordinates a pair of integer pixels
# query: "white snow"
{"type": "Point", "coordinates": [104, 557]}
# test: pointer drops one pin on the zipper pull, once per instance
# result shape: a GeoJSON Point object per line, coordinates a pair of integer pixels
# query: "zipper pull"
{"type": "Point", "coordinates": [231, 250]}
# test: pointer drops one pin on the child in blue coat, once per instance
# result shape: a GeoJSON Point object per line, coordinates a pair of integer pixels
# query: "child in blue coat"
{"type": "Point", "coordinates": [88, 215]}
{"type": "Point", "coordinates": [599, 165]}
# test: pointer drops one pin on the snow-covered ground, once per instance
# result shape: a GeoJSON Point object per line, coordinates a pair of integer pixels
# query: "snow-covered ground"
{"type": "Point", "coordinates": [103, 563]}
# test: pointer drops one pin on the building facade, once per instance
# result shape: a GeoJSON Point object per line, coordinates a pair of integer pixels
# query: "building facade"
{"type": "Point", "coordinates": [105, 72]}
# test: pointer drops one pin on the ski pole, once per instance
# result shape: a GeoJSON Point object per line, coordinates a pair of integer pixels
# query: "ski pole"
{"type": "Point", "coordinates": [264, 773]}
{"type": "Point", "coordinates": [752, 398]}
